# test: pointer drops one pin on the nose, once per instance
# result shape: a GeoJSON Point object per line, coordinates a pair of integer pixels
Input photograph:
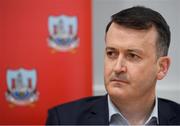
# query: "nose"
{"type": "Point", "coordinates": [120, 65]}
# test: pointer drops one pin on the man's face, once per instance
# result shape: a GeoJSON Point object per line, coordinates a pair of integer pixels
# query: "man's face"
{"type": "Point", "coordinates": [131, 64]}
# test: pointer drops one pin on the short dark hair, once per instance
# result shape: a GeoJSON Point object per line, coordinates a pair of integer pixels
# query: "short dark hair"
{"type": "Point", "coordinates": [140, 18]}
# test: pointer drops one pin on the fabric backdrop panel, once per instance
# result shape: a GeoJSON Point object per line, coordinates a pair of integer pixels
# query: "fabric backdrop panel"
{"type": "Point", "coordinates": [45, 57]}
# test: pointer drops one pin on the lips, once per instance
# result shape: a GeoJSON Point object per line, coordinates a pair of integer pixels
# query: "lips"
{"type": "Point", "coordinates": [119, 81]}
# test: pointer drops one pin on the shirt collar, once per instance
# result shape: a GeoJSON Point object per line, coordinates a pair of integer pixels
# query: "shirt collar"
{"type": "Point", "coordinates": [113, 110]}
{"type": "Point", "coordinates": [154, 113]}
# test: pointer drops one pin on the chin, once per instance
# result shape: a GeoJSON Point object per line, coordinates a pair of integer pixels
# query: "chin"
{"type": "Point", "coordinates": [116, 92]}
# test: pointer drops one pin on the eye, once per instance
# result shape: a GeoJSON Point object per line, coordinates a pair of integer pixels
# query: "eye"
{"type": "Point", "coordinates": [112, 54]}
{"type": "Point", "coordinates": [132, 56]}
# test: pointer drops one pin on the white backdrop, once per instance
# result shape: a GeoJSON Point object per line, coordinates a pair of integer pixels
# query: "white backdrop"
{"type": "Point", "coordinates": [170, 9]}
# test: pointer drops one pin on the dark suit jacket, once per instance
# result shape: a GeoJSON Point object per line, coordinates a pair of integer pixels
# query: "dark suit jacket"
{"type": "Point", "coordinates": [94, 111]}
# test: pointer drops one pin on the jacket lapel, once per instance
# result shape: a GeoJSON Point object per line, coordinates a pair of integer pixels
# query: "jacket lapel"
{"type": "Point", "coordinates": [99, 113]}
{"type": "Point", "coordinates": [166, 113]}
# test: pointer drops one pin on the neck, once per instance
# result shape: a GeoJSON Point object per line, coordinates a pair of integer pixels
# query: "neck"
{"type": "Point", "coordinates": [136, 111]}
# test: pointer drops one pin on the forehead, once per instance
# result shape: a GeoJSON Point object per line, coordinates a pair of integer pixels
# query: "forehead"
{"type": "Point", "coordinates": [122, 37]}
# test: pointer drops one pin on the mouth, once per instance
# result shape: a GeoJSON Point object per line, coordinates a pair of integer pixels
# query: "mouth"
{"type": "Point", "coordinates": [119, 81]}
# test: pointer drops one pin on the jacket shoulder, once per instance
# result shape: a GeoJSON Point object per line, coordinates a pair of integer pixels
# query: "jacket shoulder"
{"type": "Point", "coordinates": [71, 112]}
{"type": "Point", "coordinates": [78, 104]}
{"type": "Point", "coordinates": [172, 104]}
{"type": "Point", "coordinates": [169, 112]}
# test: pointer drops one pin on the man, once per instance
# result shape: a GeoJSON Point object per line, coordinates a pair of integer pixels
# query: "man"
{"type": "Point", "coordinates": [137, 41]}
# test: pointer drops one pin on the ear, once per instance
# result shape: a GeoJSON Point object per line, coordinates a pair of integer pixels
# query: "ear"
{"type": "Point", "coordinates": [163, 66]}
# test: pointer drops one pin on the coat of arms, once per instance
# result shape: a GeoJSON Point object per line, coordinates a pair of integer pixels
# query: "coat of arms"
{"type": "Point", "coordinates": [63, 33]}
{"type": "Point", "coordinates": [21, 86]}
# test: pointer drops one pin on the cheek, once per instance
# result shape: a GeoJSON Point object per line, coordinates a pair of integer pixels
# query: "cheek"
{"type": "Point", "coordinates": [144, 74]}
{"type": "Point", "coordinates": [108, 68]}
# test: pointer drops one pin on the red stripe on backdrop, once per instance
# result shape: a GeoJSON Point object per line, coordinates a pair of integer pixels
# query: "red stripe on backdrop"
{"type": "Point", "coordinates": [58, 76]}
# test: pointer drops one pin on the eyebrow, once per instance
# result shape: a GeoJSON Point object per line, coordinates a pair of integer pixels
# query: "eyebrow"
{"type": "Point", "coordinates": [136, 50]}
{"type": "Point", "coordinates": [139, 51]}
{"type": "Point", "coordinates": [129, 50]}
{"type": "Point", "coordinates": [110, 48]}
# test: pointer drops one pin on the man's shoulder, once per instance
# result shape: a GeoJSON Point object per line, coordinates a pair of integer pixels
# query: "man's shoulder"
{"type": "Point", "coordinates": [79, 111]}
{"type": "Point", "coordinates": [79, 103]}
{"type": "Point", "coordinates": [170, 106]}
{"type": "Point", "coordinates": [169, 102]}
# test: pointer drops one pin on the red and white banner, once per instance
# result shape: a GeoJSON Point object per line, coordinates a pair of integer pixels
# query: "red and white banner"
{"type": "Point", "coordinates": [45, 57]}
